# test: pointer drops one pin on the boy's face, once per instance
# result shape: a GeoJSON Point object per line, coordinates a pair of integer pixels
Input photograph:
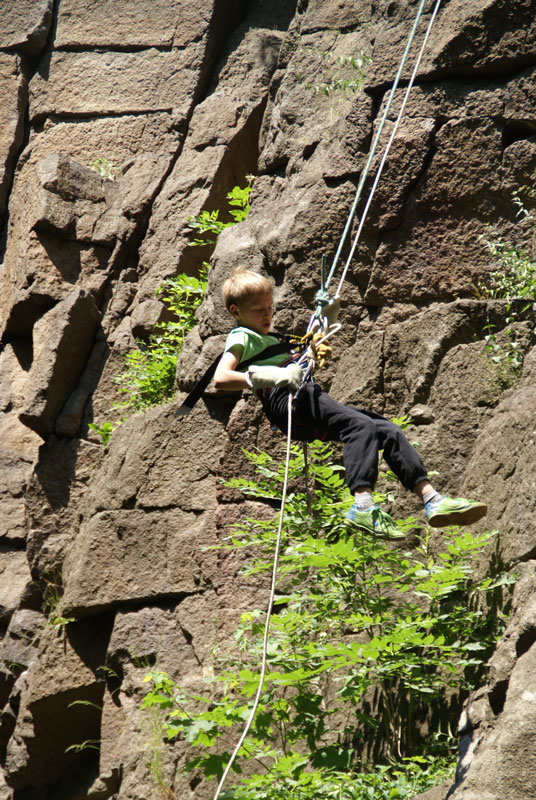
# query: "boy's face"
{"type": "Point", "coordinates": [255, 313]}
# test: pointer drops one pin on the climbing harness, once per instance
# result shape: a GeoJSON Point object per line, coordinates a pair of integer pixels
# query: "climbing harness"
{"type": "Point", "coordinates": [273, 350]}
{"type": "Point", "coordinates": [323, 325]}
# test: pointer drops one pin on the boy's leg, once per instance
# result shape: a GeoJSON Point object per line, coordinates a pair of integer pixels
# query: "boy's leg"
{"type": "Point", "coordinates": [363, 434]}
{"type": "Point", "coordinates": [324, 418]}
{"type": "Point", "coordinates": [317, 415]}
{"type": "Point", "coordinates": [399, 454]}
{"type": "Point", "coordinates": [407, 465]}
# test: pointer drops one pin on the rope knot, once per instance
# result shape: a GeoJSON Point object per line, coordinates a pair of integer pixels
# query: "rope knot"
{"type": "Point", "coordinates": [322, 297]}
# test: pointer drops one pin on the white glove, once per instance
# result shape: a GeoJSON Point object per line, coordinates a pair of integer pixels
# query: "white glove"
{"type": "Point", "coordinates": [289, 377]}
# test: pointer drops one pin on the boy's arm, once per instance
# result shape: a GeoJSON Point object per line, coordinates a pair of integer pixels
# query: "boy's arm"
{"type": "Point", "coordinates": [226, 376]}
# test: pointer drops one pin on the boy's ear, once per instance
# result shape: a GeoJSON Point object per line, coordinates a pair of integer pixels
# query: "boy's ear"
{"type": "Point", "coordinates": [233, 309]}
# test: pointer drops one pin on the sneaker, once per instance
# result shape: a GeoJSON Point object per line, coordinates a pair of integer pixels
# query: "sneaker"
{"type": "Point", "coordinates": [374, 521]}
{"type": "Point", "coordinates": [454, 511]}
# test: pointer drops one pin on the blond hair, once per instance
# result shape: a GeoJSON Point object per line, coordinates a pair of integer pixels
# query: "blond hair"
{"type": "Point", "coordinates": [244, 284]}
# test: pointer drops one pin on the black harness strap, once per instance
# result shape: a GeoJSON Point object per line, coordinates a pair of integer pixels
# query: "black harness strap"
{"type": "Point", "coordinates": [201, 385]}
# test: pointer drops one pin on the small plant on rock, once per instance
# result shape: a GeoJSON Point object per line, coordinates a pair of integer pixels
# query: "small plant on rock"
{"type": "Point", "coordinates": [208, 224]}
{"type": "Point", "coordinates": [513, 281]}
{"type": "Point", "coordinates": [52, 591]}
{"type": "Point", "coordinates": [104, 431]}
{"type": "Point", "coordinates": [330, 74]}
{"type": "Point", "coordinates": [149, 375]}
{"type": "Point", "coordinates": [104, 167]}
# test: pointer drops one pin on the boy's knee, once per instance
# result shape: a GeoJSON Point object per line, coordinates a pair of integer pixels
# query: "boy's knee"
{"type": "Point", "coordinates": [363, 424]}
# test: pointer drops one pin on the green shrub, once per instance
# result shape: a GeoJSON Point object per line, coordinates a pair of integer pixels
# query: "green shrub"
{"type": "Point", "coordinates": [363, 639]}
{"type": "Point", "coordinates": [513, 280]}
{"type": "Point", "coordinates": [209, 222]}
{"type": "Point", "coordinates": [149, 376]}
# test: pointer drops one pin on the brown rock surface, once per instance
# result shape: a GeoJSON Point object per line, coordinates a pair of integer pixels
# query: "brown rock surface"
{"type": "Point", "coordinates": [150, 23]}
{"type": "Point", "coordinates": [496, 745]}
{"type": "Point", "coordinates": [13, 100]}
{"type": "Point", "coordinates": [66, 335]}
{"type": "Point", "coordinates": [25, 25]}
{"type": "Point", "coordinates": [167, 79]}
{"type": "Point", "coordinates": [178, 102]}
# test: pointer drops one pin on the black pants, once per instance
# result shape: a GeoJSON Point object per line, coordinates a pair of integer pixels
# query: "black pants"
{"type": "Point", "coordinates": [317, 416]}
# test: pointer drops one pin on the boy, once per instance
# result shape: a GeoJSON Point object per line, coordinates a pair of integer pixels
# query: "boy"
{"type": "Point", "coordinates": [248, 297]}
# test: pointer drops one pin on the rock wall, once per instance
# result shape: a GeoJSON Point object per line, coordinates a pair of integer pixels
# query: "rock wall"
{"type": "Point", "coordinates": [186, 99]}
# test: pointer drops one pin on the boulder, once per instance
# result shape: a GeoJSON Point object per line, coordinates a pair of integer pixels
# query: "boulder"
{"type": "Point", "coordinates": [57, 707]}
{"type": "Point", "coordinates": [63, 339]}
{"type": "Point", "coordinates": [25, 25]}
{"type": "Point", "coordinates": [13, 95]}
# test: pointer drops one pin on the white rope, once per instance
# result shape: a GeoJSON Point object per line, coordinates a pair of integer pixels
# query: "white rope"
{"type": "Point", "coordinates": [269, 609]}
{"type": "Point", "coordinates": [388, 147]}
{"type": "Point", "coordinates": [368, 163]}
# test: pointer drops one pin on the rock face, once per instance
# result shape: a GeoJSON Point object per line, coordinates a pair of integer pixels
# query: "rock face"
{"type": "Point", "coordinates": [177, 102]}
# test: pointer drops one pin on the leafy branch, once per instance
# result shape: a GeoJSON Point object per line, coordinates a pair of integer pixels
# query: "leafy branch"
{"type": "Point", "coordinates": [354, 619]}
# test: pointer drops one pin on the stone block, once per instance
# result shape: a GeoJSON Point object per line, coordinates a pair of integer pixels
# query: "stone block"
{"type": "Point", "coordinates": [146, 81]}
{"type": "Point", "coordinates": [137, 556]}
{"type": "Point", "coordinates": [333, 14]}
{"type": "Point", "coordinates": [149, 465]}
{"type": "Point", "coordinates": [149, 23]}
{"type": "Point", "coordinates": [13, 98]}
{"type": "Point", "coordinates": [62, 339]}
{"type": "Point", "coordinates": [14, 362]}
{"type": "Point", "coordinates": [15, 473]}
{"type": "Point", "coordinates": [115, 139]}
{"type": "Point", "coordinates": [472, 39]}
{"type": "Point", "coordinates": [24, 25]}
{"type": "Point", "coordinates": [221, 150]}
{"type": "Point", "coordinates": [177, 639]}
{"type": "Point", "coordinates": [57, 704]}
{"type": "Point", "coordinates": [72, 198]}
{"type": "Point", "coordinates": [15, 580]}
{"type": "Point", "coordinates": [56, 487]}
{"type": "Point", "coordinates": [19, 645]}
{"type": "Point", "coordinates": [503, 454]}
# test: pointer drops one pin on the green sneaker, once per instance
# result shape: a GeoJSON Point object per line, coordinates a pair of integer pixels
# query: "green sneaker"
{"type": "Point", "coordinates": [374, 521]}
{"type": "Point", "coordinates": [454, 511]}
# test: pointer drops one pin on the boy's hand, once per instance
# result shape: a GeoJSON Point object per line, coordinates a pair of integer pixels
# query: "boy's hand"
{"type": "Point", "coordinates": [276, 377]}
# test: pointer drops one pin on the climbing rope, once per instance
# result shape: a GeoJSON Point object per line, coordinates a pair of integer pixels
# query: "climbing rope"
{"type": "Point", "coordinates": [320, 329]}
{"type": "Point", "coordinates": [268, 610]}
{"type": "Point", "coordinates": [388, 147]}
{"type": "Point", "coordinates": [323, 297]}
{"type": "Point", "coordinates": [368, 163]}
